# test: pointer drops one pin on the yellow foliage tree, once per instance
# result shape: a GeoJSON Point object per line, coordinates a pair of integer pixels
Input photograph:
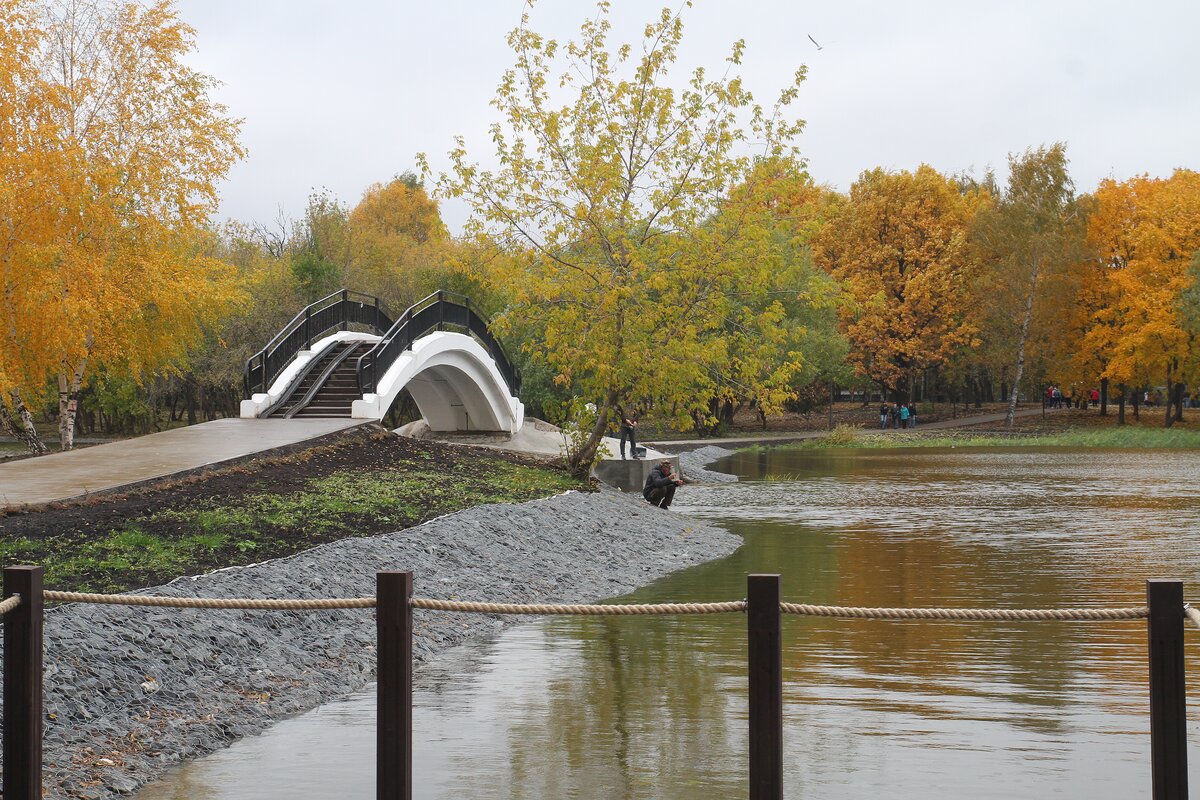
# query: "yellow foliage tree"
{"type": "Point", "coordinates": [612, 201]}
{"type": "Point", "coordinates": [899, 246]}
{"type": "Point", "coordinates": [1145, 232]}
{"type": "Point", "coordinates": [399, 244]}
{"type": "Point", "coordinates": [109, 263]}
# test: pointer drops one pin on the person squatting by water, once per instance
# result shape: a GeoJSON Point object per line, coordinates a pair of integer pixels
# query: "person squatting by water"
{"type": "Point", "coordinates": [660, 485]}
{"type": "Point", "coordinates": [629, 432]}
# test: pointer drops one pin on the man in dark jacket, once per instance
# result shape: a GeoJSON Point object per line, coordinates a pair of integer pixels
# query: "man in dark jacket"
{"type": "Point", "coordinates": [660, 485]}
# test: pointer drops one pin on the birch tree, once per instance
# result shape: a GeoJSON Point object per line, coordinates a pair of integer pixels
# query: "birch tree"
{"type": "Point", "coordinates": [1029, 237]}
{"type": "Point", "coordinates": [109, 261]}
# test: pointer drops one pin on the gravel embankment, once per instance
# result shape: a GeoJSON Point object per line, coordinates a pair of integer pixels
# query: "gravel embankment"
{"type": "Point", "coordinates": [692, 464]}
{"type": "Point", "coordinates": [131, 691]}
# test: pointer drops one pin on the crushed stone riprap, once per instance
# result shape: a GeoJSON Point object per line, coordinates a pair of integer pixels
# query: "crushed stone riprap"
{"type": "Point", "coordinates": [693, 464]}
{"type": "Point", "coordinates": [129, 692]}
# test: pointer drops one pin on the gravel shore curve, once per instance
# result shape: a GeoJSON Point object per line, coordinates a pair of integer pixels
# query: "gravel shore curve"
{"type": "Point", "coordinates": [129, 692]}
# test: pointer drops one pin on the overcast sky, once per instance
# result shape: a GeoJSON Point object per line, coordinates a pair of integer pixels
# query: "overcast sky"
{"type": "Point", "coordinates": [342, 95]}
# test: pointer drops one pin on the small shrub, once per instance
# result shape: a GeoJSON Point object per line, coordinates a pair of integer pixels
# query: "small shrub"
{"type": "Point", "coordinates": [841, 436]}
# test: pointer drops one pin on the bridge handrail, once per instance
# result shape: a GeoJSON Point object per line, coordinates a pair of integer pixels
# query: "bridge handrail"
{"type": "Point", "coordinates": [434, 311]}
{"type": "Point", "coordinates": [336, 310]}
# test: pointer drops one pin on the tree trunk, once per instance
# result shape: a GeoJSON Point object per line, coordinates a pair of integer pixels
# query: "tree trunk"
{"type": "Point", "coordinates": [1137, 404]}
{"type": "Point", "coordinates": [1121, 405]}
{"type": "Point", "coordinates": [190, 390]}
{"type": "Point", "coordinates": [580, 463]}
{"type": "Point", "coordinates": [24, 432]}
{"type": "Point", "coordinates": [1011, 417]}
{"type": "Point", "coordinates": [1168, 415]}
{"type": "Point", "coordinates": [1104, 397]}
{"type": "Point", "coordinates": [1179, 387]}
{"type": "Point", "coordinates": [68, 404]}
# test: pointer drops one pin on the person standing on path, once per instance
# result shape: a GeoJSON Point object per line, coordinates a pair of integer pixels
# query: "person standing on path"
{"type": "Point", "coordinates": [629, 432]}
{"type": "Point", "coordinates": [904, 417]}
{"type": "Point", "coordinates": [883, 416]}
{"type": "Point", "coordinates": [912, 415]}
{"type": "Point", "coordinates": [660, 486]}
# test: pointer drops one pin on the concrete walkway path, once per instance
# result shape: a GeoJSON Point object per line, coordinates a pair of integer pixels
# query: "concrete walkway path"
{"type": "Point", "coordinates": [59, 476]}
{"type": "Point", "coordinates": [799, 436]}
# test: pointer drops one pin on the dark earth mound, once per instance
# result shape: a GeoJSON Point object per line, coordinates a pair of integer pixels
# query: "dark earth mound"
{"type": "Point", "coordinates": [360, 483]}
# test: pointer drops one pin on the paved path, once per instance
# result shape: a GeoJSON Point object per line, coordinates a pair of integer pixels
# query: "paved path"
{"type": "Point", "coordinates": [59, 476]}
{"type": "Point", "coordinates": [783, 438]}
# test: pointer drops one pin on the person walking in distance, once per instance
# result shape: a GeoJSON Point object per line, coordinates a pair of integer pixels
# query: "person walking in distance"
{"type": "Point", "coordinates": [660, 485]}
{"type": "Point", "coordinates": [629, 432]}
{"type": "Point", "coordinates": [883, 416]}
{"type": "Point", "coordinates": [904, 417]}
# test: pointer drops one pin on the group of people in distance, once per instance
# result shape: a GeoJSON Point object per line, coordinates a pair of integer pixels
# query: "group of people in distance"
{"type": "Point", "coordinates": [897, 415]}
{"type": "Point", "coordinates": [1057, 398]}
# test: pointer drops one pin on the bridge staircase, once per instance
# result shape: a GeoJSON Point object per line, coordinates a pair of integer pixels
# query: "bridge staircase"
{"type": "Point", "coordinates": [328, 387]}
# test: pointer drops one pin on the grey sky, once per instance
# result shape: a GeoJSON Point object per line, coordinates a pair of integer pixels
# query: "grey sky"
{"type": "Point", "coordinates": [341, 95]}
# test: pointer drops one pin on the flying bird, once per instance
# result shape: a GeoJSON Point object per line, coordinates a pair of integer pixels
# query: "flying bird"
{"type": "Point", "coordinates": [814, 41]}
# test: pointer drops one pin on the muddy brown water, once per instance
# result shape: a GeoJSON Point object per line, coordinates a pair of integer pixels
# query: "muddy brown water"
{"type": "Point", "coordinates": [655, 707]}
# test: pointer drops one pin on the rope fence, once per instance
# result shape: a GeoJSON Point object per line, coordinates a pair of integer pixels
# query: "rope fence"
{"type": "Point", "coordinates": [1165, 614]}
{"type": "Point", "coordinates": [145, 600]}
{"type": "Point", "coordinates": [973, 614]}
{"type": "Point", "coordinates": [610, 610]}
{"type": "Point", "coordinates": [1192, 614]}
{"type": "Point", "coordinates": [10, 604]}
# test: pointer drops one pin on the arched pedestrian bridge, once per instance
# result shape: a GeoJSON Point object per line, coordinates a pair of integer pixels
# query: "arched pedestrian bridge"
{"type": "Point", "coordinates": [343, 356]}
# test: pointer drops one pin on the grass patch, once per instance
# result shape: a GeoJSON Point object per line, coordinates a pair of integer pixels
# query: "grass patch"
{"type": "Point", "coordinates": [266, 511]}
{"type": "Point", "coordinates": [1113, 438]}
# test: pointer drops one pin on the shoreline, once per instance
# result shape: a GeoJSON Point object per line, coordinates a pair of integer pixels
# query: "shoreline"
{"type": "Point", "coordinates": [131, 692]}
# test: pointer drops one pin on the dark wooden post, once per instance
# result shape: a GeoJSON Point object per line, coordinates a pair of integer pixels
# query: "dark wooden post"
{"type": "Point", "coordinates": [393, 617]}
{"type": "Point", "coordinates": [345, 310]}
{"type": "Point", "coordinates": [23, 685]}
{"type": "Point", "coordinates": [765, 652]}
{"type": "Point", "coordinates": [307, 332]}
{"type": "Point", "coordinates": [1168, 716]}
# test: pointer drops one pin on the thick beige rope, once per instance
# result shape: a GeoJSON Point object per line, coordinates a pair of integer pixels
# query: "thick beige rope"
{"type": "Point", "coordinates": [586, 610]}
{"type": "Point", "coordinates": [1192, 614]}
{"type": "Point", "coordinates": [210, 602]}
{"type": "Point", "coordinates": [9, 604]}
{"type": "Point", "coordinates": [1007, 614]}
{"type": "Point", "coordinates": [843, 612]}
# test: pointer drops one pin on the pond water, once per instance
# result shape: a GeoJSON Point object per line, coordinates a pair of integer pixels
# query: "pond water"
{"type": "Point", "coordinates": [655, 707]}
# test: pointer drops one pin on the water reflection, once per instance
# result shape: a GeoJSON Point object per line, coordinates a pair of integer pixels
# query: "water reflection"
{"type": "Point", "coordinates": [654, 707]}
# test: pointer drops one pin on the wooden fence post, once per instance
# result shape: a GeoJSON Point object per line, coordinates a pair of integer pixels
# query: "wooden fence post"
{"type": "Point", "coordinates": [765, 656]}
{"type": "Point", "coordinates": [1168, 715]}
{"type": "Point", "coordinates": [23, 685]}
{"type": "Point", "coordinates": [393, 619]}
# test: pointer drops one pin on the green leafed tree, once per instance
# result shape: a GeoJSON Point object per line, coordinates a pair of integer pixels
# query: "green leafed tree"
{"type": "Point", "coordinates": [612, 209]}
{"type": "Point", "coordinates": [1028, 239]}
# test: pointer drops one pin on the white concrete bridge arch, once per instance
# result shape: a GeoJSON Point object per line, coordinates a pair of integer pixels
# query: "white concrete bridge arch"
{"type": "Point", "coordinates": [455, 383]}
{"type": "Point", "coordinates": [452, 378]}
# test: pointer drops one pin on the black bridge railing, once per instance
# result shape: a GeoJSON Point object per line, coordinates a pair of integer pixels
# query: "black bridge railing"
{"type": "Point", "coordinates": [435, 312]}
{"type": "Point", "coordinates": [338, 311]}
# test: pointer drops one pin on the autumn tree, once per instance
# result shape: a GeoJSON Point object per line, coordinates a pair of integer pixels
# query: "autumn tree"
{"type": "Point", "coordinates": [399, 244]}
{"type": "Point", "coordinates": [610, 202]}
{"type": "Point", "coordinates": [781, 210]}
{"type": "Point", "coordinates": [1028, 238]}
{"type": "Point", "coordinates": [898, 244]}
{"type": "Point", "coordinates": [1144, 233]}
{"type": "Point", "coordinates": [28, 163]}
{"type": "Point", "coordinates": [108, 262]}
